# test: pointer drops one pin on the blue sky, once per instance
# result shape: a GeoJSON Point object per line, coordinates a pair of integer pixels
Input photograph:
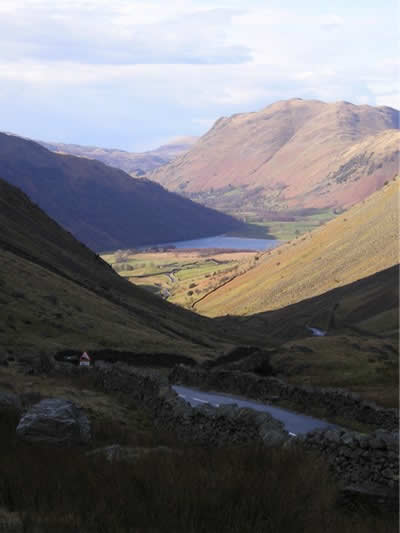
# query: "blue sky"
{"type": "Point", "coordinates": [133, 74]}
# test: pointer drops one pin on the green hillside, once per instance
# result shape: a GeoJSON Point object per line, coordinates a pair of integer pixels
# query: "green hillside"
{"type": "Point", "coordinates": [57, 294]}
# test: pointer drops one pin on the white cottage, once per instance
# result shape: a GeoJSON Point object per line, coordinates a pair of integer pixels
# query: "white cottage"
{"type": "Point", "coordinates": [84, 360]}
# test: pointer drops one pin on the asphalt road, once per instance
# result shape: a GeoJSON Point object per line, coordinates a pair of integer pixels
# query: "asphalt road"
{"type": "Point", "coordinates": [295, 424]}
{"type": "Point", "coordinates": [317, 332]}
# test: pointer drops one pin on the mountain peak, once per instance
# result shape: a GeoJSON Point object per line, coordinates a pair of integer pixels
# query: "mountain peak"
{"type": "Point", "coordinates": [296, 153]}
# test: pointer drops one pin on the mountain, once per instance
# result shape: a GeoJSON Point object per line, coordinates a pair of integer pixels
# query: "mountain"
{"type": "Point", "coordinates": [293, 154]}
{"type": "Point", "coordinates": [57, 294]}
{"type": "Point", "coordinates": [102, 206]}
{"type": "Point", "coordinates": [358, 243]}
{"type": "Point", "coordinates": [134, 163]}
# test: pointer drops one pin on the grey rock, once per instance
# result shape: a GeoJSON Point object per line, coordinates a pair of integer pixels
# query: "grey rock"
{"type": "Point", "coordinates": [332, 435]}
{"type": "Point", "coordinates": [348, 439]}
{"type": "Point", "coordinates": [363, 441]}
{"type": "Point", "coordinates": [55, 421]}
{"type": "Point", "coordinates": [388, 473]}
{"type": "Point", "coordinates": [390, 439]}
{"type": "Point", "coordinates": [228, 410]}
{"type": "Point", "coordinates": [274, 437]}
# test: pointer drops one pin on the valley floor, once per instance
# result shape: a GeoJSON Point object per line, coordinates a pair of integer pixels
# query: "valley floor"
{"type": "Point", "coordinates": [181, 276]}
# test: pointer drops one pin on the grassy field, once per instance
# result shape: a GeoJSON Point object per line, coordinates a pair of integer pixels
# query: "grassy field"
{"type": "Point", "coordinates": [181, 276]}
{"type": "Point", "coordinates": [262, 221]}
{"type": "Point", "coordinates": [361, 364]}
{"type": "Point", "coordinates": [288, 230]}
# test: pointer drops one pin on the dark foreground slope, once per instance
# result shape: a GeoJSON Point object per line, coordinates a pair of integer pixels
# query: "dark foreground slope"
{"type": "Point", "coordinates": [103, 206]}
{"type": "Point", "coordinates": [57, 294]}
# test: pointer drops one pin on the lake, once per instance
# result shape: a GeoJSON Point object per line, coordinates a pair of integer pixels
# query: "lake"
{"type": "Point", "coordinates": [221, 241]}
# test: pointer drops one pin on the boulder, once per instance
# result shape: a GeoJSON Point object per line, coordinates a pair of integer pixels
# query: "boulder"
{"type": "Point", "coordinates": [270, 429]}
{"type": "Point", "coordinates": [274, 437]}
{"type": "Point", "coordinates": [55, 421]}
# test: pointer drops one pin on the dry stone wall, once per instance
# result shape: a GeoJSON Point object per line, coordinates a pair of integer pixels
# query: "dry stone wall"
{"type": "Point", "coordinates": [354, 457]}
{"type": "Point", "coordinates": [358, 458]}
{"type": "Point", "coordinates": [206, 425]}
{"type": "Point", "coordinates": [335, 401]}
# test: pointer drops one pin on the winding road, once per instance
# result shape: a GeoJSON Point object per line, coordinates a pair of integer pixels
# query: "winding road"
{"type": "Point", "coordinates": [295, 423]}
{"type": "Point", "coordinates": [317, 332]}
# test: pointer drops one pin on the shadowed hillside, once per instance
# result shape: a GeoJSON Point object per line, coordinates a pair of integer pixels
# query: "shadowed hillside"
{"type": "Point", "coordinates": [356, 244]}
{"type": "Point", "coordinates": [56, 293]}
{"type": "Point", "coordinates": [291, 155]}
{"type": "Point", "coordinates": [360, 350]}
{"type": "Point", "coordinates": [102, 206]}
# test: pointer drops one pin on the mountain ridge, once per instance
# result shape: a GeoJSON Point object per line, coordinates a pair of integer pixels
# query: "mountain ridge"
{"type": "Point", "coordinates": [102, 206]}
{"type": "Point", "coordinates": [288, 150]}
{"type": "Point", "coordinates": [135, 163]}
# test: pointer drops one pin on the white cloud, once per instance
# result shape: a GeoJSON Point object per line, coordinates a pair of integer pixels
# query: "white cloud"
{"type": "Point", "coordinates": [186, 61]}
{"type": "Point", "coordinates": [118, 32]}
{"type": "Point", "coordinates": [390, 100]}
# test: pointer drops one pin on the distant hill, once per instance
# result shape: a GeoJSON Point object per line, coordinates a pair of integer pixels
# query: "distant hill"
{"type": "Point", "coordinates": [134, 163]}
{"type": "Point", "coordinates": [55, 294]}
{"type": "Point", "coordinates": [293, 154]}
{"type": "Point", "coordinates": [102, 206]}
{"type": "Point", "coordinates": [357, 244]}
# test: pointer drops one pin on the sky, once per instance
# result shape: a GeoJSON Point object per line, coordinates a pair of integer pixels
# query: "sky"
{"type": "Point", "coordinates": [133, 74]}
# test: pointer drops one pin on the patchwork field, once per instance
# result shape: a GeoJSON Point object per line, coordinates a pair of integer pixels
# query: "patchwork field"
{"type": "Point", "coordinates": [181, 276]}
{"type": "Point", "coordinates": [252, 207]}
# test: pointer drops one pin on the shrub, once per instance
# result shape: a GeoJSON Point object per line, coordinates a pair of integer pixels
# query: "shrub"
{"type": "Point", "coordinates": [195, 490]}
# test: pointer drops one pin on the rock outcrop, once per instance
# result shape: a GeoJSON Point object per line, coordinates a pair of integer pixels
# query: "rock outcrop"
{"type": "Point", "coordinates": [55, 421]}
